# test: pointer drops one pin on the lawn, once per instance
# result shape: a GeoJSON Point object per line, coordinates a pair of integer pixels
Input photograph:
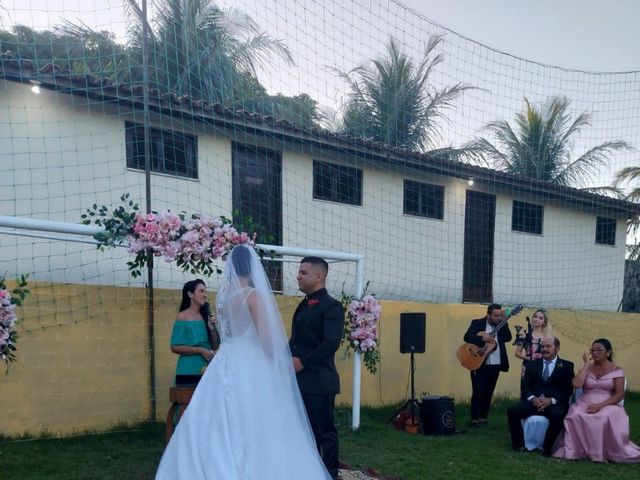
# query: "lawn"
{"type": "Point", "coordinates": [480, 453]}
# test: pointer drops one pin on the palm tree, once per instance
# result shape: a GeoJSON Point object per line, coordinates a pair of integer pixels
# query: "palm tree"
{"type": "Point", "coordinates": [74, 48]}
{"type": "Point", "coordinates": [393, 102]}
{"type": "Point", "coordinates": [198, 49]}
{"type": "Point", "coordinates": [630, 176]}
{"type": "Point", "coordinates": [213, 54]}
{"type": "Point", "coordinates": [540, 145]}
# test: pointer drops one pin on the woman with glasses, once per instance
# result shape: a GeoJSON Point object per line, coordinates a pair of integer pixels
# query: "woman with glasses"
{"type": "Point", "coordinates": [597, 426]}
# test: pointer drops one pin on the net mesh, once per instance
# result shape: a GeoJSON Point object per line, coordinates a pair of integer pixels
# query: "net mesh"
{"type": "Point", "coordinates": [275, 109]}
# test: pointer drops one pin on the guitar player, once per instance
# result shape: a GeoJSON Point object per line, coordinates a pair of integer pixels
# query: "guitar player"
{"type": "Point", "coordinates": [485, 378]}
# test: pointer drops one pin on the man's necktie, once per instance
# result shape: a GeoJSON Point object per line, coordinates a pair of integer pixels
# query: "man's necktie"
{"type": "Point", "coordinates": [545, 372]}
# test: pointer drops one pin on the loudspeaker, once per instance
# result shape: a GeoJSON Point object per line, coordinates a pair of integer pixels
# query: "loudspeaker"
{"type": "Point", "coordinates": [412, 332]}
{"type": "Point", "coordinates": [438, 415]}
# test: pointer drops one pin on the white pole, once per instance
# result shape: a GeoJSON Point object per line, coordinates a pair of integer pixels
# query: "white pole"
{"type": "Point", "coordinates": [90, 230]}
{"type": "Point", "coordinates": [49, 226]}
{"type": "Point", "coordinates": [357, 364]}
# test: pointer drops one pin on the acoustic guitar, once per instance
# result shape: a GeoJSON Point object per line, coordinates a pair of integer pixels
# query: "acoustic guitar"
{"type": "Point", "coordinates": [472, 356]}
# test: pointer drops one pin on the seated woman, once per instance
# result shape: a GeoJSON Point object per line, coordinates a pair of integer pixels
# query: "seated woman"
{"type": "Point", "coordinates": [597, 426]}
{"type": "Point", "coordinates": [540, 328]}
{"type": "Point", "coordinates": [193, 336]}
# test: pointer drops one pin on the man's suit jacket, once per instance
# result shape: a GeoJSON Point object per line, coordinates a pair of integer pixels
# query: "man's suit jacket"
{"type": "Point", "coordinates": [316, 333]}
{"type": "Point", "coordinates": [558, 385]}
{"type": "Point", "coordinates": [503, 336]}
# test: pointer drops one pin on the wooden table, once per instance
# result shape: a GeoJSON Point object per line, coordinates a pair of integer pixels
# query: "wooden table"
{"type": "Point", "coordinates": [179, 398]}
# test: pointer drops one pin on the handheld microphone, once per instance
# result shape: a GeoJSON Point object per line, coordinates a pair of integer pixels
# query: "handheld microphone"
{"type": "Point", "coordinates": [206, 310]}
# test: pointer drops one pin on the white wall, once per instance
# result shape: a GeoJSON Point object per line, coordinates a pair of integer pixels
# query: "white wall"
{"type": "Point", "coordinates": [405, 256]}
{"type": "Point", "coordinates": [563, 267]}
{"type": "Point", "coordinates": [60, 154]}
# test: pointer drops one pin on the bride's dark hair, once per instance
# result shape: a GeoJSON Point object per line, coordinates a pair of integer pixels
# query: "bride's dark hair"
{"type": "Point", "coordinates": [241, 258]}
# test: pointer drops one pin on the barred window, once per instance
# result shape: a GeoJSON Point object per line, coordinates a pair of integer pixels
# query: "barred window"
{"type": "Point", "coordinates": [606, 231]}
{"type": "Point", "coordinates": [172, 153]}
{"type": "Point", "coordinates": [527, 217]}
{"type": "Point", "coordinates": [423, 199]}
{"type": "Point", "coordinates": [337, 183]}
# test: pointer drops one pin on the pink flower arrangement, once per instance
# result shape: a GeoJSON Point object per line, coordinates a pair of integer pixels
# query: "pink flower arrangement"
{"type": "Point", "coordinates": [361, 327]}
{"type": "Point", "coordinates": [192, 242]}
{"type": "Point", "coordinates": [8, 318]}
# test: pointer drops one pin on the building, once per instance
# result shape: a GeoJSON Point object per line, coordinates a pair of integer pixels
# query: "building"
{"type": "Point", "coordinates": [426, 233]}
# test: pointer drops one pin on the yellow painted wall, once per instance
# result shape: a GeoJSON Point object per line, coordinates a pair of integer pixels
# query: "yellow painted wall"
{"type": "Point", "coordinates": [83, 361]}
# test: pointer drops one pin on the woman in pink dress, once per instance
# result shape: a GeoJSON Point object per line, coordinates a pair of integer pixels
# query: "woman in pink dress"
{"type": "Point", "coordinates": [597, 426]}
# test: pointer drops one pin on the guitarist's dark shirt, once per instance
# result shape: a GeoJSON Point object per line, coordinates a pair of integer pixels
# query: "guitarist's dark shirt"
{"type": "Point", "coordinates": [503, 336]}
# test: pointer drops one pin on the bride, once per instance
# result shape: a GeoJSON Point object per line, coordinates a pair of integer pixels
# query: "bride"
{"type": "Point", "coordinates": [246, 420]}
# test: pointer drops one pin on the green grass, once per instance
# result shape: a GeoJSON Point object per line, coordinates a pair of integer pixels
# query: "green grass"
{"type": "Point", "coordinates": [480, 453]}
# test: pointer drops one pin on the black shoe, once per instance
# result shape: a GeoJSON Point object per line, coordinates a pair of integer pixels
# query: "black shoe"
{"type": "Point", "coordinates": [519, 449]}
{"type": "Point", "coordinates": [483, 420]}
{"type": "Point", "coordinates": [474, 423]}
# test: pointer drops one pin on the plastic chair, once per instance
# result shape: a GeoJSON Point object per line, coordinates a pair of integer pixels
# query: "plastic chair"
{"type": "Point", "coordinates": [534, 428]}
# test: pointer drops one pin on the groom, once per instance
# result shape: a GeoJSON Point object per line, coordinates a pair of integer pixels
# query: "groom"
{"type": "Point", "coordinates": [316, 333]}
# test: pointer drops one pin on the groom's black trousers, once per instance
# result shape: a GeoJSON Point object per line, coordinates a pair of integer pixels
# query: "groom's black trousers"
{"type": "Point", "coordinates": [320, 409]}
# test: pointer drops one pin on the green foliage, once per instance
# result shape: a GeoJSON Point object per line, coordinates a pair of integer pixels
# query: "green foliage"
{"type": "Point", "coordinates": [370, 357]}
{"type": "Point", "coordinates": [541, 143]}
{"type": "Point", "coordinates": [195, 49]}
{"type": "Point", "coordinates": [117, 225]}
{"type": "Point", "coordinates": [18, 296]}
{"type": "Point", "coordinates": [393, 102]}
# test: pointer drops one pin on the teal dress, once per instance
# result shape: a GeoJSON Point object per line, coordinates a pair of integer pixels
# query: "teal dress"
{"type": "Point", "coordinates": [192, 333]}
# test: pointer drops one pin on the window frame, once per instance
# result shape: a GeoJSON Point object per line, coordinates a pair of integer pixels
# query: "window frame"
{"type": "Point", "coordinates": [522, 225]}
{"type": "Point", "coordinates": [424, 210]}
{"type": "Point", "coordinates": [161, 141]}
{"type": "Point", "coordinates": [332, 174]}
{"type": "Point", "coordinates": [600, 233]}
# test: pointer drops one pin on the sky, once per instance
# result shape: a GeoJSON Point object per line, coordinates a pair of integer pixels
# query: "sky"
{"type": "Point", "coordinates": [490, 44]}
{"type": "Point", "coordinates": [595, 35]}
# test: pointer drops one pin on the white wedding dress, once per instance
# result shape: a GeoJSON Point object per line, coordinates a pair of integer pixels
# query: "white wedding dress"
{"type": "Point", "coordinates": [246, 420]}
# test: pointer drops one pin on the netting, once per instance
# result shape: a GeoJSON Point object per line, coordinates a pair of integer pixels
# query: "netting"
{"type": "Point", "coordinates": [274, 111]}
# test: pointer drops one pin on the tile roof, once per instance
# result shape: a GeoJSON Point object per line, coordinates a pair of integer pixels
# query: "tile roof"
{"type": "Point", "coordinates": [52, 77]}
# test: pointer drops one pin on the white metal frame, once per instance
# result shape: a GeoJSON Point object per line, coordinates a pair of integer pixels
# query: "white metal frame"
{"type": "Point", "coordinates": [29, 226]}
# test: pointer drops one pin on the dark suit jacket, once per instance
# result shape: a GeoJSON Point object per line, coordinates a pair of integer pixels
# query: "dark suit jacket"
{"type": "Point", "coordinates": [316, 333]}
{"type": "Point", "coordinates": [504, 335]}
{"type": "Point", "coordinates": [557, 386]}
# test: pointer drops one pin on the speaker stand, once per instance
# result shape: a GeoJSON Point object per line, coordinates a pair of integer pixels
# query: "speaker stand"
{"type": "Point", "coordinates": [412, 404]}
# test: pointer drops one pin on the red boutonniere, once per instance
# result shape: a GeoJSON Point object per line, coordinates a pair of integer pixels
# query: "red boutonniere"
{"type": "Point", "coordinates": [313, 301]}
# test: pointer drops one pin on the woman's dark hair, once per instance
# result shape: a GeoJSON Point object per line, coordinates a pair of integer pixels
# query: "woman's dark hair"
{"type": "Point", "coordinates": [188, 288]}
{"type": "Point", "coordinates": [607, 346]}
{"type": "Point", "coordinates": [241, 258]}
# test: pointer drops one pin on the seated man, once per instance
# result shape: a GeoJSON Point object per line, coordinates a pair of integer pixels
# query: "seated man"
{"type": "Point", "coordinates": [545, 390]}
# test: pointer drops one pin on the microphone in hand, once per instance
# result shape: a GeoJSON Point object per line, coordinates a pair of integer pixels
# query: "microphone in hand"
{"type": "Point", "coordinates": [206, 313]}
{"type": "Point", "coordinates": [206, 310]}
